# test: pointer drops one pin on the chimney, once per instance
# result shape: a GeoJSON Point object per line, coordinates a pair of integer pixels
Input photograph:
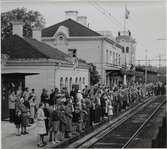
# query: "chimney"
{"type": "Point", "coordinates": [72, 14]}
{"type": "Point", "coordinates": [36, 33]}
{"type": "Point", "coordinates": [82, 20]}
{"type": "Point", "coordinates": [18, 28]}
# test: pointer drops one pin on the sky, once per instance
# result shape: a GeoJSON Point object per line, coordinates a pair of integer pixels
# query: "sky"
{"type": "Point", "coordinates": [147, 19]}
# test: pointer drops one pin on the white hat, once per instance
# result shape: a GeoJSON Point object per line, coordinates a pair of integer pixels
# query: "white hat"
{"type": "Point", "coordinates": [21, 99]}
{"type": "Point", "coordinates": [63, 100]}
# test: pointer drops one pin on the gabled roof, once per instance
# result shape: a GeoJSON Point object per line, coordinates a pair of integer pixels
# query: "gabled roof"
{"type": "Point", "coordinates": [75, 29]}
{"type": "Point", "coordinates": [26, 48]}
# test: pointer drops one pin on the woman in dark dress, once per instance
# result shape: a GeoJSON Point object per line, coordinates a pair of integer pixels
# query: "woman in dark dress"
{"type": "Point", "coordinates": [47, 116]}
{"type": "Point", "coordinates": [44, 96]}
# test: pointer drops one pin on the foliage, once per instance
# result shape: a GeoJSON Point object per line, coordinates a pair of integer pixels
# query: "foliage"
{"type": "Point", "coordinates": [30, 19]}
{"type": "Point", "coordinates": [94, 75]}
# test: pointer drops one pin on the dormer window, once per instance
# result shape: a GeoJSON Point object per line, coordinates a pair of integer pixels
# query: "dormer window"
{"type": "Point", "coordinates": [61, 37]}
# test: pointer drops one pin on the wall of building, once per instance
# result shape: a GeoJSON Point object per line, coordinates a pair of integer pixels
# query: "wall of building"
{"type": "Point", "coordinates": [88, 50]}
{"type": "Point", "coordinates": [49, 77]}
{"type": "Point", "coordinates": [111, 53]}
{"type": "Point", "coordinates": [129, 56]}
{"type": "Point", "coordinates": [65, 77]}
{"type": "Point", "coordinates": [93, 51]}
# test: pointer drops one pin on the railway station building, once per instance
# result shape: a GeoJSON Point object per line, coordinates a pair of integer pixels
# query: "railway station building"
{"type": "Point", "coordinates": [28, 62]}
{"type": "Point", "coordinates": [74, 34]}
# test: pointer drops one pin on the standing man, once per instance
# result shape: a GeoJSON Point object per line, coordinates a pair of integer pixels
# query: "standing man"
{"type": "Point", "coordinates": [26, 94]}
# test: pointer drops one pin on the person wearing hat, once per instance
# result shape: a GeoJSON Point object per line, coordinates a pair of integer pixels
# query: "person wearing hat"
{"type": "Point", "coordinates": [24, 116]}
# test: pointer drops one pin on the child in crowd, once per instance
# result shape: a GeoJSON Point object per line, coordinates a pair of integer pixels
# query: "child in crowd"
{"type": "Point", "coordinates": [41, 128]}
{"type": "Point", "coordinates": [18, 122]}
{"type": "Point", "coordinates": [55, 125]}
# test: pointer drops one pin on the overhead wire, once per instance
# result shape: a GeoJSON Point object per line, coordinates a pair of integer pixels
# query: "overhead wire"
{"type": "Point", "coordinates": [109, 14]}
{"type": "Point", "coordinates": [103, 13]}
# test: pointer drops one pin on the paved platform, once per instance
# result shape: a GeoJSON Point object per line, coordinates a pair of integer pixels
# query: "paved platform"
{"type": "Point", "coordinates": [11, 141]}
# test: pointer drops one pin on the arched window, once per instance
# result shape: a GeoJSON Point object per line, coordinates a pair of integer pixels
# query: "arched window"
{"type": "Point", "coordinates": [123, 49]}
{"type": "Point", "coordinates": [80, 83]}
{"type": "Point", "coordinates": [76, 80]}
{"type": "Point", "coordinates": [127, 49]}
{"type": "Point", "coordinates": [116, 58]}
{"type": "Point", "coordinates": [113, 57]}
{"type": "Point", "coordinates": [60, 39]}
{"type": "Point", "coordinates": [119, 59]}
{"type": "Point", "coordinates": [61, 83]}
{"type": "Point", "coordinates": [66, 83]}
{"type": "Point", "coordinates": [106, 56]}
{"type": "Point", "coordinates": [70, 84]}
{"type": "Point", "coordinates": [83, 81]}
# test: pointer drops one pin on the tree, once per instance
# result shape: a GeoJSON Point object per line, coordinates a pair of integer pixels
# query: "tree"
{"type": "Point", "coordinates": [30, 19]}
{"type": "Point", "coordinates": [94, 75]}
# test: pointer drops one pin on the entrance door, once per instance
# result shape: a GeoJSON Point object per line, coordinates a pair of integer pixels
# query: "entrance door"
{"type": "Point", "coordinates": [4, 101]}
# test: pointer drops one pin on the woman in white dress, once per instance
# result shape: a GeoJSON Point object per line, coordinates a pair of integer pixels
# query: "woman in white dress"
{"type": "Point", "coordinates": [41, 128]}
{"type": "Point", "coordinates": [110, 111]}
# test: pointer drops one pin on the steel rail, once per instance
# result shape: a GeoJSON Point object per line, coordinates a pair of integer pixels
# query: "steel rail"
{"type": "Point", "coordinates": [144, 123]}
{"type": "Point", "coordinates": [114, 125]}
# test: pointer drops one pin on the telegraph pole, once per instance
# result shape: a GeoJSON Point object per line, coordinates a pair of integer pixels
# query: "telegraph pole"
{"type": "Point", "coordinates": [159, 61]}
{"type": "Point", "coordinates": [145, 66]}
{"type": "Point", "coordinates": [159, 66]}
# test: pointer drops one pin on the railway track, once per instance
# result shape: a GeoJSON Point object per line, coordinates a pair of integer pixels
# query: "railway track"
{"type": "Point", "coordinates": [123, 131]}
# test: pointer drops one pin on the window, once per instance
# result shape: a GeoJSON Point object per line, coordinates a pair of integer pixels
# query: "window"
{"type": "Point", "coordinates": [116, 58]}
{"type": "Point", "coordinates": [76, 80]}
{"type": "Point", "coordinates": [123, 50]}
{"type": "Point", "coordinates": [119, 59]}
{"type": "Point", "coordinates": [80, 83]}
{"type": "Point", "coordinates": [127, 49]}
{"type": "Point", "coordinates": [60, 39]}
{"type": "Point", "coordinates": [83, 81]}
{"type": "Point", "coordinates": [113, 57]}
{"type": "Point", "coordinates": [66, 83]}
{"type": "Point", "coordinates": [106, 56]}
{"type": "Point", "coordinates": [110, 56]}
{"type": "Point", "coordinates": [70, 84]}
{"type": "Point", "coordinates": [61, 83]}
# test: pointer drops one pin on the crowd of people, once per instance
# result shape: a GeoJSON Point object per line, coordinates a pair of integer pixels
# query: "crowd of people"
{"type": "Point", "coordinates": [61, 114]}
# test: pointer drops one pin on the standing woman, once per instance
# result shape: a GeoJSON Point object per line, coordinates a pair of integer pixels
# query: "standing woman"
{"type": "Point", "coordinates": [41, 128]}
{"type": "Point", "coordinates": [32, 109]}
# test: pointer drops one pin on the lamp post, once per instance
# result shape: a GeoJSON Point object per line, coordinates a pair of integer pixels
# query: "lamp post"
{"type": "Point", "coordinates": [125, 81]}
